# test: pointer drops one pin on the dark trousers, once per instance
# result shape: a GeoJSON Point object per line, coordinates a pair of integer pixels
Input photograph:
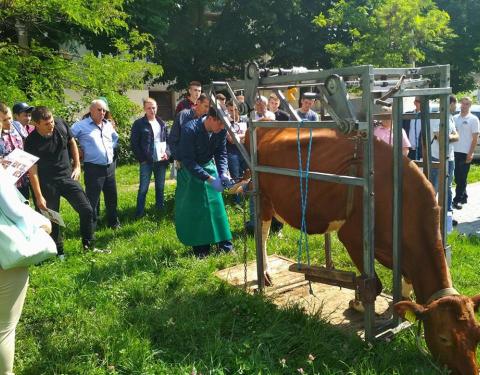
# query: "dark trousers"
{"type": "Point", "coordinates": [72, 191]}
{"type": "Point", "coordinates": [461, 173]}
{"type": "Point", "coordinates": [203, 250]}
{"type": "Point", "coordinates": [101, 178]}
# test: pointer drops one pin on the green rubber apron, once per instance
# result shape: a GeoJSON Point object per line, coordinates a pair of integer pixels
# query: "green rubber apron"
{"type": "Point", "coordinates": [200, 216]}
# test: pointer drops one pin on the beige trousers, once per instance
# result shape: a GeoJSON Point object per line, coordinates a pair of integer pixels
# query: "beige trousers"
{"type": "Point", "coordinates": [13, 288]}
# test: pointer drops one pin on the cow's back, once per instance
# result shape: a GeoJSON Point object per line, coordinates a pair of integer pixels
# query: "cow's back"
{"type": "Point", "coordinates": [329, 204]}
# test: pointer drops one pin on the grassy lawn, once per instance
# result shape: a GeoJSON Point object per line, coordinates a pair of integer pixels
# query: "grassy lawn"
{"type": "Point", "coordinates": [150, 307]}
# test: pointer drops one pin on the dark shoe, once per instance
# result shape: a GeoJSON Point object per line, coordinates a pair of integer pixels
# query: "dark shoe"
{"type": "Point", "coordinates": [454, 222]}
{"type": "Point", "coordinates": [249, 228]}
{"type": "Point", "coordinates": [226, 247]}
{"type": "Point", "coordinates": [457, 205]}
{"type": "Point", "coordinates": [463, 201]}
{"type": "Point", "coordinates": [115, 226]}
{"type": "Point", "coordinates": [201, 251]}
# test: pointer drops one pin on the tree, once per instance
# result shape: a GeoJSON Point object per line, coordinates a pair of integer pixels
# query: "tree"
{"type": "Point", "coordinates": [385, 32]}
{"type": "Point", "coordinates": [463, 53]}
{"type": "Point", "coordinates": [209, 40]}
{"type": "Point", "coordinates": [40, 39]}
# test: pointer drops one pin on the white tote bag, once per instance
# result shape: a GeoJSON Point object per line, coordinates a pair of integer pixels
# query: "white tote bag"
{"type": "Point", "coordinates": [23, 238]}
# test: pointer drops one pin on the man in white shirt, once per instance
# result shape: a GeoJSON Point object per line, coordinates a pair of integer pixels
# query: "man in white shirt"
{"type": "Point", "coordinates": [435, 148]}
{"type": "Point", "coordinates": [467, 126]}
{"type": "Point", "coordinates": [148, 141]}
{"type": "Point", "coordinates": [261, 111]}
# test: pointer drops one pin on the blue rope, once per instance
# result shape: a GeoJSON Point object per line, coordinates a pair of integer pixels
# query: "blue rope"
{"type": "Point", "coordinates": [303, 195]}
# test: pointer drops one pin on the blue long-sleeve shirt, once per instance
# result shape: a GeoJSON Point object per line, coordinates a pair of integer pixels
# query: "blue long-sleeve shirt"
{"type": "Point", "coordinates": [174, 137]}
{"type": "Point", "coordinates": [96, 142]}
{"type": "Point", "coordinates": [197, 147]}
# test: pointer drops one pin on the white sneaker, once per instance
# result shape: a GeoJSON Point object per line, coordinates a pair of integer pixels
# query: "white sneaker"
{"type": "Point", "coordinates": [101, 251]}
{"type": "Point", "coordinates": [61, 257]}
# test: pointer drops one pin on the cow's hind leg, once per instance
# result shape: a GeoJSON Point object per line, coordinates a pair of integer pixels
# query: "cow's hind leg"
{"type": "Point", "coordinates": [352, 240]}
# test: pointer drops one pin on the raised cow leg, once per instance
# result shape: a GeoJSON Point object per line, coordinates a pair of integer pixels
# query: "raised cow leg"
{"type": "Point", "coordinates": [351, 238]}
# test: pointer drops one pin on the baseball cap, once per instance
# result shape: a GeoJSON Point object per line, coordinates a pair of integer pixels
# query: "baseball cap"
{"type": "Point", "coordinates": [21, 107]}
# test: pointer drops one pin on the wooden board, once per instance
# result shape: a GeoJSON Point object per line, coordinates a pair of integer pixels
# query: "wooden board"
{"type": "Point", "coordinates": [330, 303]}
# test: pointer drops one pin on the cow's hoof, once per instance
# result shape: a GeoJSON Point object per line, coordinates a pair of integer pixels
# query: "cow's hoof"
{"type": "Point", "coordinates": [268, 279]}
{"type": "Point", "coordinates": [356, 305]}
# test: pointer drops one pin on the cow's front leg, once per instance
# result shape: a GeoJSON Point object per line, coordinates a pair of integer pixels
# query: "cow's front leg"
{"type": "Point", "coordinates": [265, 233]}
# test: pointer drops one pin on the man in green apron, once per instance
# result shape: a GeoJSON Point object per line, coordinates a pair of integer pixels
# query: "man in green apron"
{"type": "Point", "coordinates": [200, 216]}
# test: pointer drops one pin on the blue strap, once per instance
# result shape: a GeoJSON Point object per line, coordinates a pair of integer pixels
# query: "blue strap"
{"type": "Point", "coordinates": [303, 194]}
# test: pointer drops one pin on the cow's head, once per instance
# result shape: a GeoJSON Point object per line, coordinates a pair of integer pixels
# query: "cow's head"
{"type": "Point", "coordinates": [451, 331]}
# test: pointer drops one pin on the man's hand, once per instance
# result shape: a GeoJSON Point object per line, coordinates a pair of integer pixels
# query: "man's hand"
{"type": "Point", "coordinates": [216, 183]}
{"type": "Point", "coordinates": [41, 203]}
{"type": "Point", "coordinates": [469, 158]}
{"type": "Point", "coordinates": [164, 156]}
{"type": "Point", "coordinates": [227, 181]}
{"type": "Point", "coordinates": [76, 173]}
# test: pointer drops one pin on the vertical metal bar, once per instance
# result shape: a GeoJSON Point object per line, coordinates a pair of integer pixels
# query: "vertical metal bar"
{"type": "Point", "coordinates": [397, 201]}
{"type": "Point", "coordinates": [444, 134]}
{"type": "Point", "coordinates": [256, 200]}
{"type": "Point", "coordinates": [368, 200]}
{"type": "Point", "coordinates": [251, 85]}
{"type": "Point", "coordinates": [328, 251]}
{"type": "Point", "coordinates": [426, 136]}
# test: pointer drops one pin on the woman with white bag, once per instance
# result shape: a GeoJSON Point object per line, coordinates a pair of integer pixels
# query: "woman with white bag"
{"type": "Point", "coordinates": [24, 240]}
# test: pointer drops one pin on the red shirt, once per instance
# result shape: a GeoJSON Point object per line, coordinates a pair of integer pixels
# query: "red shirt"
{"type": "Point", "coordinates": [184, 104]}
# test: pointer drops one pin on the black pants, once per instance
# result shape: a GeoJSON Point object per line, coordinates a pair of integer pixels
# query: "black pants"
{"type": "Point", "coordinates": [101, 178]}
{"type": "Point", "coordinates": [72, 191]}
{"type": "Point", "coordinates": [461, 173]}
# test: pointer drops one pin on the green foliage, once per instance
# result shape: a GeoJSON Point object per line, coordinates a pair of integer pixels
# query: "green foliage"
{"type": "Point", "coordinates": [462, 53]}
{"type": "Point", "coordinates": [385, 32]}
{"type": "Point", "coordinates": [150, 307]}
{"type": "Point", "coordinates": [40, 71]}
{"type": "Point", "coordinates": [211, 39]}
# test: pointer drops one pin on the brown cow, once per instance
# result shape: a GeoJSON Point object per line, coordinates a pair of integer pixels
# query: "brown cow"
{"type": "Point", "coordinates": [451, 332]}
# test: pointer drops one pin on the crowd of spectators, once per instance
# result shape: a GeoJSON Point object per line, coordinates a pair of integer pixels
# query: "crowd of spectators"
{"type": "Point", "coordinates": [205, 156]}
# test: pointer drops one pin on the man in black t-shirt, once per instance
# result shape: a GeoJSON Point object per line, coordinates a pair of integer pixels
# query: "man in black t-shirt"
{"type": "Point", "coordinates": [274, 106]}
{"type": "Point", "coordinates": [54, 176]}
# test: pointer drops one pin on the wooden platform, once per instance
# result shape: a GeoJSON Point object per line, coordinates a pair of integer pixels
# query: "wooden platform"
{"type": "Point", "coordinates": [329, 303]}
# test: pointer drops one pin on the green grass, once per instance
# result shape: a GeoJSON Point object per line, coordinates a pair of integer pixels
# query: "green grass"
{"type": "Point", "coordinates": [474, 174]}
{"type": "Point", "coordinates": [150, 307]}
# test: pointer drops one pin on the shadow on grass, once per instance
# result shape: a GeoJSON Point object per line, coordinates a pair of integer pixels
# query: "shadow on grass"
{"type": "Point", "coordinates": [216, 329]}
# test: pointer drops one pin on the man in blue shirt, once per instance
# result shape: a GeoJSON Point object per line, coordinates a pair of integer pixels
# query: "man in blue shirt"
{"type": "Point", "coordinates": [98, 138]}
{"type": "Point", "coordinates": [200, 216]}
{"type": "Point", "coordinates": [305, 111]}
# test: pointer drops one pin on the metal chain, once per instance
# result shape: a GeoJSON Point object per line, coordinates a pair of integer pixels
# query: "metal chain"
{"type": "Point", "coordinates": [245, 255]}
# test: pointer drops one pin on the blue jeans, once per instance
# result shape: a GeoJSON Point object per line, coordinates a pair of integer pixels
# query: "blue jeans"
{"type": "Point", "coordinates": [146, 169]}
{"type": "Point", "coordinates": [434, 181]}
{"type": "Point", "coordinates": [236, 166]}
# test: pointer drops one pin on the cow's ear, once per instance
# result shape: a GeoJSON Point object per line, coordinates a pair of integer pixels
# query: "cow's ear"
{"type": "Point", "coordinates": [409, 310]}
{"type": "Point", "coordinates": [476, 302]}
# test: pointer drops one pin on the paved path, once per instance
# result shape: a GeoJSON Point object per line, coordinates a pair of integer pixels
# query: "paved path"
{"type": "Point", "coordinates": [469, 216]}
